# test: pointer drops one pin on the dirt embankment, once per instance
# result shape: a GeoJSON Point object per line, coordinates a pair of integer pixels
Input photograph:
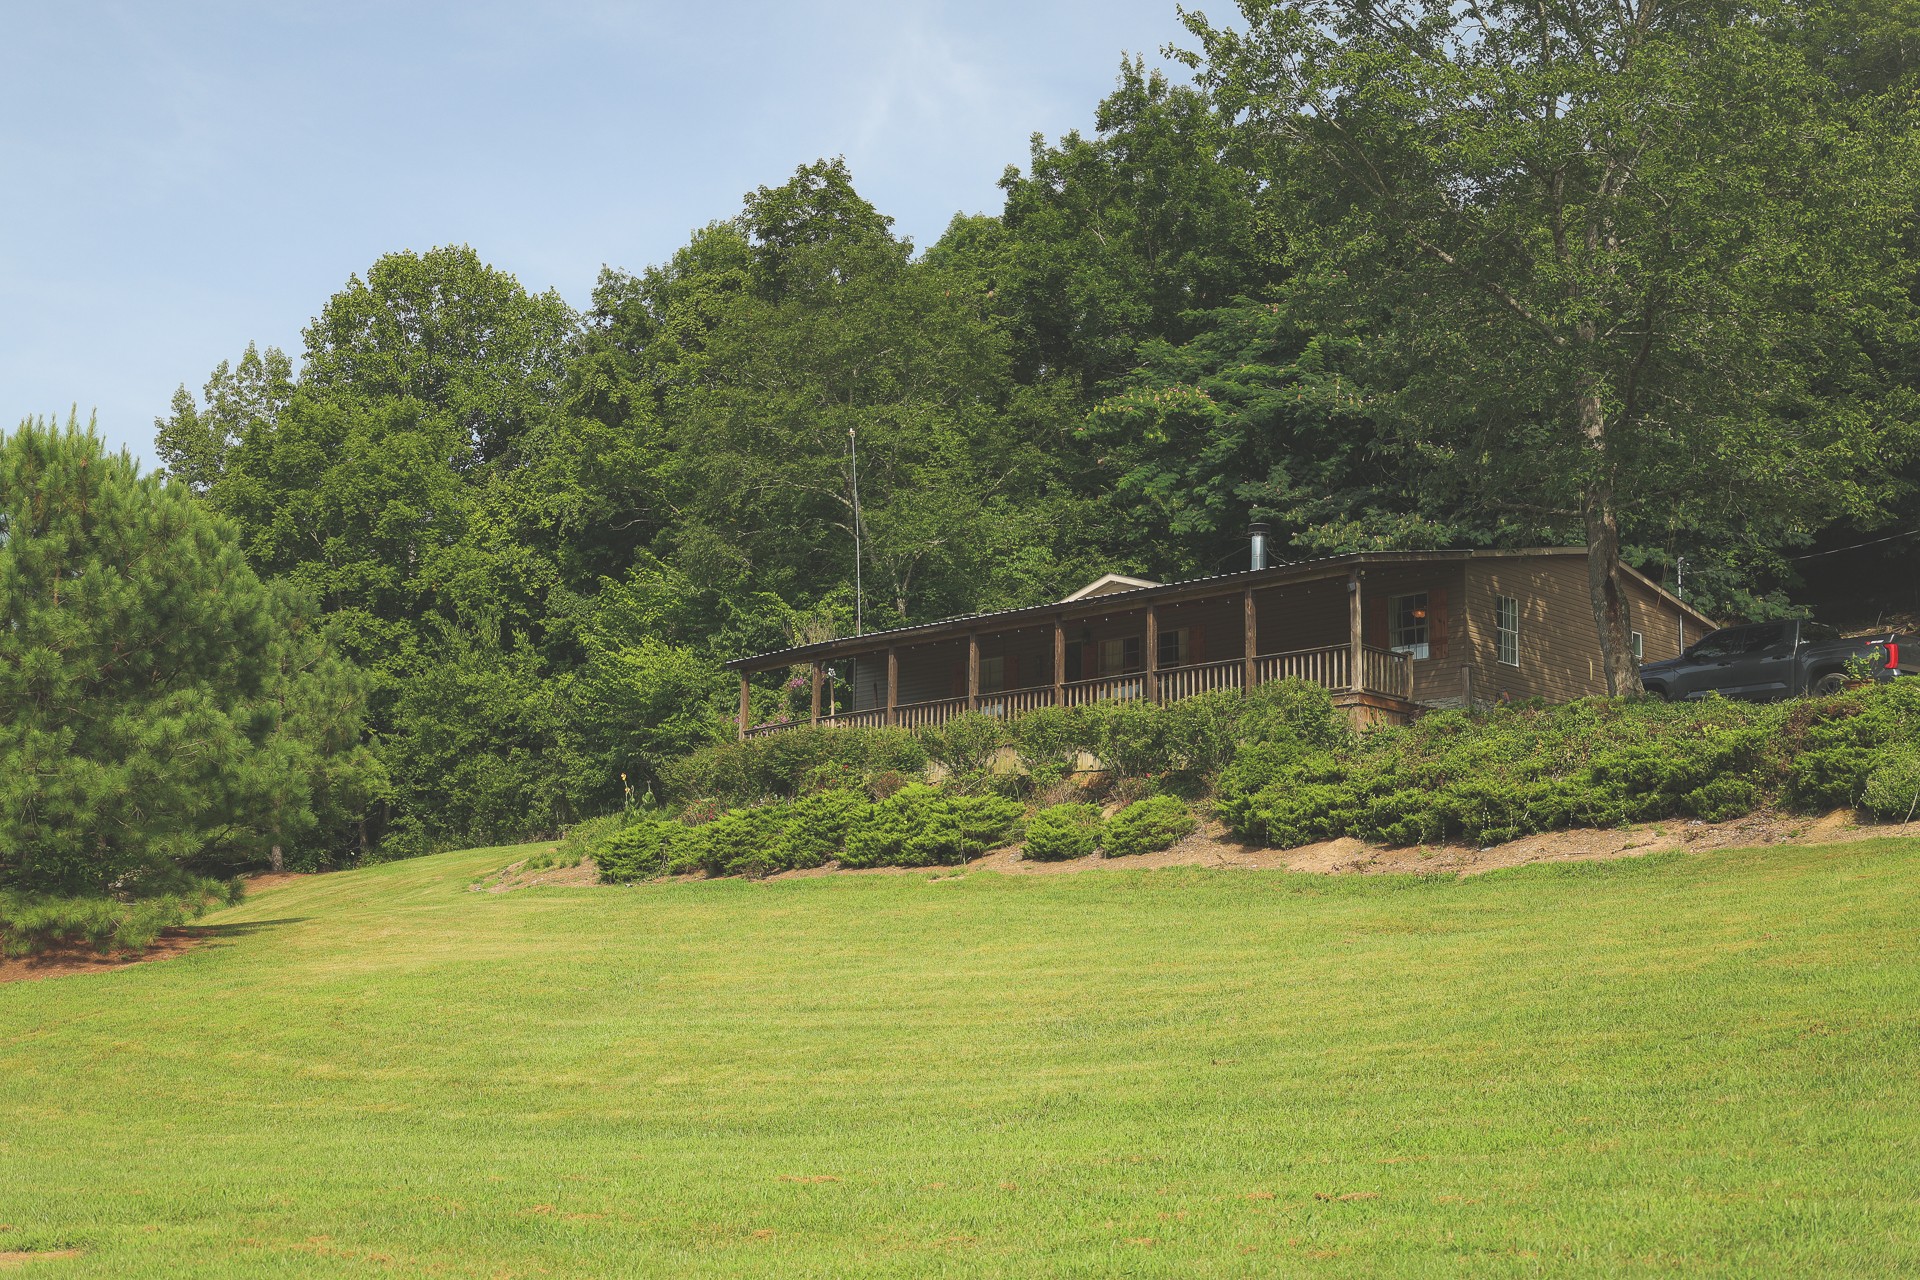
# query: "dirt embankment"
{"type": "Point", "coordinates": [1210, 847]}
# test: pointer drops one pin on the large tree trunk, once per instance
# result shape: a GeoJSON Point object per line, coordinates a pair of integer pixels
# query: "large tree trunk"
{"type": "Point", "coordinates": [1606, 580]}
{"type": "Point", "coordinates": [277, 860]}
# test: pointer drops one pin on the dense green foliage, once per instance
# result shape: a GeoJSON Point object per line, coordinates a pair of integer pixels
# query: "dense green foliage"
{"type": "Point", "coordinates": [31, 922]}
{"type": "Point", "coordinates": [1063, 831]}
{"type": "Point", "coordinates": [916, 826]}
{"type": "Point", "coordinates": [1367, 278]}
{"type": "Point", "coordinates": [1504, 773]}
{"type": "Point", "coordinates": [1180, 744]}
{"type": "Point", "coordinates": [1147, 826]}
{"type": "Point", "coordinates": [159, 703]}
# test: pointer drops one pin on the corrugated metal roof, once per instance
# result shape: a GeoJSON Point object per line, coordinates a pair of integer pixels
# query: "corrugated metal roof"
{"type": "Point", "coordinates": [874, 640]}
{"type": "Point", "coordinates": [1094, 605]}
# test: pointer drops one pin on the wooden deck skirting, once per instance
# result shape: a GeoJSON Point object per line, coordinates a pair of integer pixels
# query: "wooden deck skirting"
{"type": "Point", "coordinates": [1385, 675]}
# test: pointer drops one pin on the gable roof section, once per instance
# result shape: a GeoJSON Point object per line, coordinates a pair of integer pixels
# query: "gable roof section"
{"type": "Point", "coordinates": [1108, 585]}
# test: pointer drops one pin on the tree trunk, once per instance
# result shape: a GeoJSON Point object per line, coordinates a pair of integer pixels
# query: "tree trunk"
{"type": "Point", "coordinates": [1606, 581]}
{"type": "Point", "coordinates": [277, 860]}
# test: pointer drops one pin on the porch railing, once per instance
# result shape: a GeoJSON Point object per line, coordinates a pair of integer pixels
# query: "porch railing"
{"type": "Point", "coordinates": [1202, 677]}
{"type": "Point", "coordinates": [1078, 693]}
{"type": "Point", "coordinates": [924, 715]}
{"type": "Point", "coordinates": [1014, 702]}
{"type": "Point", "coordinates": [1382, 671]}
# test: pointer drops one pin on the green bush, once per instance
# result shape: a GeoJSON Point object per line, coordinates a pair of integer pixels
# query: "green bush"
{"type": "Point", "coordinates": [792, 763]}
{"type": "Point", "coordinates": [922, 826]}
{"type": "Point", "coordinates": [31, 922]}
{"type": "Point", "coordinates": [816, 830]}
{"type": "Point", "coordinates": [630, 850]}
{"type": "Point", "coordinates": [1049, 739]}
{"type": "Point", "coordinates": [966, 743]}
{"type": "Point", "coordinates": [1147, 826]}
{"type": "Point", "coordinates": [1892, 791]}
{"type": "Point", "coordinates": [1295, 712]}
{"type": "Point", "coordinates": [1495, 776]}
{"type": "Point", "coordinates": [1063, 831]}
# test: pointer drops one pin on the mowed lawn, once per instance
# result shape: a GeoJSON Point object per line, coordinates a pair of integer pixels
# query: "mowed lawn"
{"type": "Point", "coordinates": [1704, 1064]}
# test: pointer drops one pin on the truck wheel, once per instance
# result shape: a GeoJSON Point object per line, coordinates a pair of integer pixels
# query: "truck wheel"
{"type": "Point", "coordinates": [1829, 684]}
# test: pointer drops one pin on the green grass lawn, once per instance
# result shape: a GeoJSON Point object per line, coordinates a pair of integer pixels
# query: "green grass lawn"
{"type": "Point", "coordinates": [1699, 1064]}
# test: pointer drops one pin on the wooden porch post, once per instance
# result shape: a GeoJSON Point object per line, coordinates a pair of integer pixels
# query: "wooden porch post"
{"type": "Point", "coordinates": [1059, 663]}
{"type": "Point", "coordinates": [817, 673]}
{"type": "Point", "coordinates": [1252, 676]}
{"type": "Point", "coordinates": [973, 670]}
{"type": "Point", "coordinates": [1355, 651]}
{"type": "Point", "coordinates": [893, 685]}
{"type": "Point", "coordinates": [1153, 654]}
{"type": "Point", "coordinates": [743, 706]}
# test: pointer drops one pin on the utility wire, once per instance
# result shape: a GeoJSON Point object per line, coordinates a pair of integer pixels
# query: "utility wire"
{"type": "Point", "coordinates": [1873, 542]}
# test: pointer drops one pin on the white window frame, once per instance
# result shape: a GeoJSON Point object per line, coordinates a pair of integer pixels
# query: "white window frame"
{"type": "Point", "coordinates": [1506, 630]}
{"type": "Point", "coordinates": [1639, 646]}
{"type": "Point", "coordinates": [1397, 634]}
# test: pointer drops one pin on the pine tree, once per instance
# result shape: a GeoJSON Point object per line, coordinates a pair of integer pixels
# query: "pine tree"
{"type": "Point", "coordinates": [158, 702]}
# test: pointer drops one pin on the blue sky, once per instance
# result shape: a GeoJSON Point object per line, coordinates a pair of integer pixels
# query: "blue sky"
{"type": "Point", "coordinates": [185, 178]}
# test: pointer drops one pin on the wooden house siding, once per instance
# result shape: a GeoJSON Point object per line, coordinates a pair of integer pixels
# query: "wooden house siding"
{"type": "Point", "coordinates": [1559, 648]}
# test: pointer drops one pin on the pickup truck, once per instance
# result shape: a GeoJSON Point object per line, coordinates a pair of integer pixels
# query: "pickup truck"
{"type": "Point", "coordinates": [1766, 661]}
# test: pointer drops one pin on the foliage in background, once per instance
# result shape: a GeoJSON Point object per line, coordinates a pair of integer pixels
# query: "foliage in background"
{"type": "Point", "coordinates": [538, 533]}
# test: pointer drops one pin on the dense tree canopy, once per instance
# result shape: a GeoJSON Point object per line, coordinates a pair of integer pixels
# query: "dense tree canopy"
{"type": "Point", "coordinates": [1386, 276]}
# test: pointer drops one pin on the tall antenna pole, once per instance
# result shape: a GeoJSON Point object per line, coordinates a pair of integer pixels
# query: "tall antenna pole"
{"type": "Point", "coordinates": [859, 592]}
{"type": "Point", "coordinates": [1680, 593]}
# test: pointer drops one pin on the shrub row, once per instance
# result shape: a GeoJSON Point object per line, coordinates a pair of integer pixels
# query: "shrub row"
{"type": "Point", "coordinates": [1076, 830]}
{"type": "Point", "coordinates": [1182, 744]}
{"type": "Point", "coordinates": [1496, 775]}
{"type": "Point", "coordinates": [916, 826]}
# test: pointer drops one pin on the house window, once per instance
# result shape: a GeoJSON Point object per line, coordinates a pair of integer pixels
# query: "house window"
{"type": "Point", "coordinates": [1506, 629]}
{"type": "Point", "coordinates": [1407, 624]}
{"type": "Point", "coordinates": [993, 675]}
{"type": "Point", "coordinates": [1122, 655]}
{"type": "Point", "coordinates": [1174, 650]}
{"type": "Point", "coordinates": [1639, 647]}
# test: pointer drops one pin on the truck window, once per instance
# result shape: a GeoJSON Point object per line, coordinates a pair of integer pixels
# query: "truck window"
{"type": "Point", "coordinates": [1818, 633]}
{"type": "Point", "coordinates": [1720, 644]}
{"type": "Point", "coordinates": [1765, 638]}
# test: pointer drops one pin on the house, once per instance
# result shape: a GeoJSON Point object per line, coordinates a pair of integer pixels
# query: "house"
{"type": "Point", "coordinates": [1390, 633]}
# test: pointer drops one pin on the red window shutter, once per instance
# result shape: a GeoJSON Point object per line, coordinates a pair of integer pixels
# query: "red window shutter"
{"type": "Point", "coordinates": [1196, 646]}
{"type": "Point", "coordinates": [1373, 627]}
{"type": "Point", "coordinates": [1436, 624]}
{"type": "Point", "coordinates": [1090, 661]}
{"type": "Point", "coordinates": [960, 679]}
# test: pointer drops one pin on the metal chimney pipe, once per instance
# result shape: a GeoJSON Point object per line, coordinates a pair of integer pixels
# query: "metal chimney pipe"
{"type": "Point", "coordinates": [1258, 533]}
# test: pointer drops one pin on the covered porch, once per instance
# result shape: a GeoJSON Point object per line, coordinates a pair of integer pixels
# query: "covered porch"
{"type": "Point", "coordinates": [1159, 644]}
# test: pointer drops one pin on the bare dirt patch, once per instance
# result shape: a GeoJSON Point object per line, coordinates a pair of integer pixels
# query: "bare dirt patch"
{"type": "Point", "coordinates": [265, 880]}
{"type": "Point", "coordinates": [517, 875]}
{"type": "Point", "coordinates": [70, 958]}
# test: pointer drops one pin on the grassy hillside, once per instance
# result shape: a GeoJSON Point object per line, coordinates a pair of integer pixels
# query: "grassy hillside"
{"type": "Point", "coordinates": [1701, 1063]}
